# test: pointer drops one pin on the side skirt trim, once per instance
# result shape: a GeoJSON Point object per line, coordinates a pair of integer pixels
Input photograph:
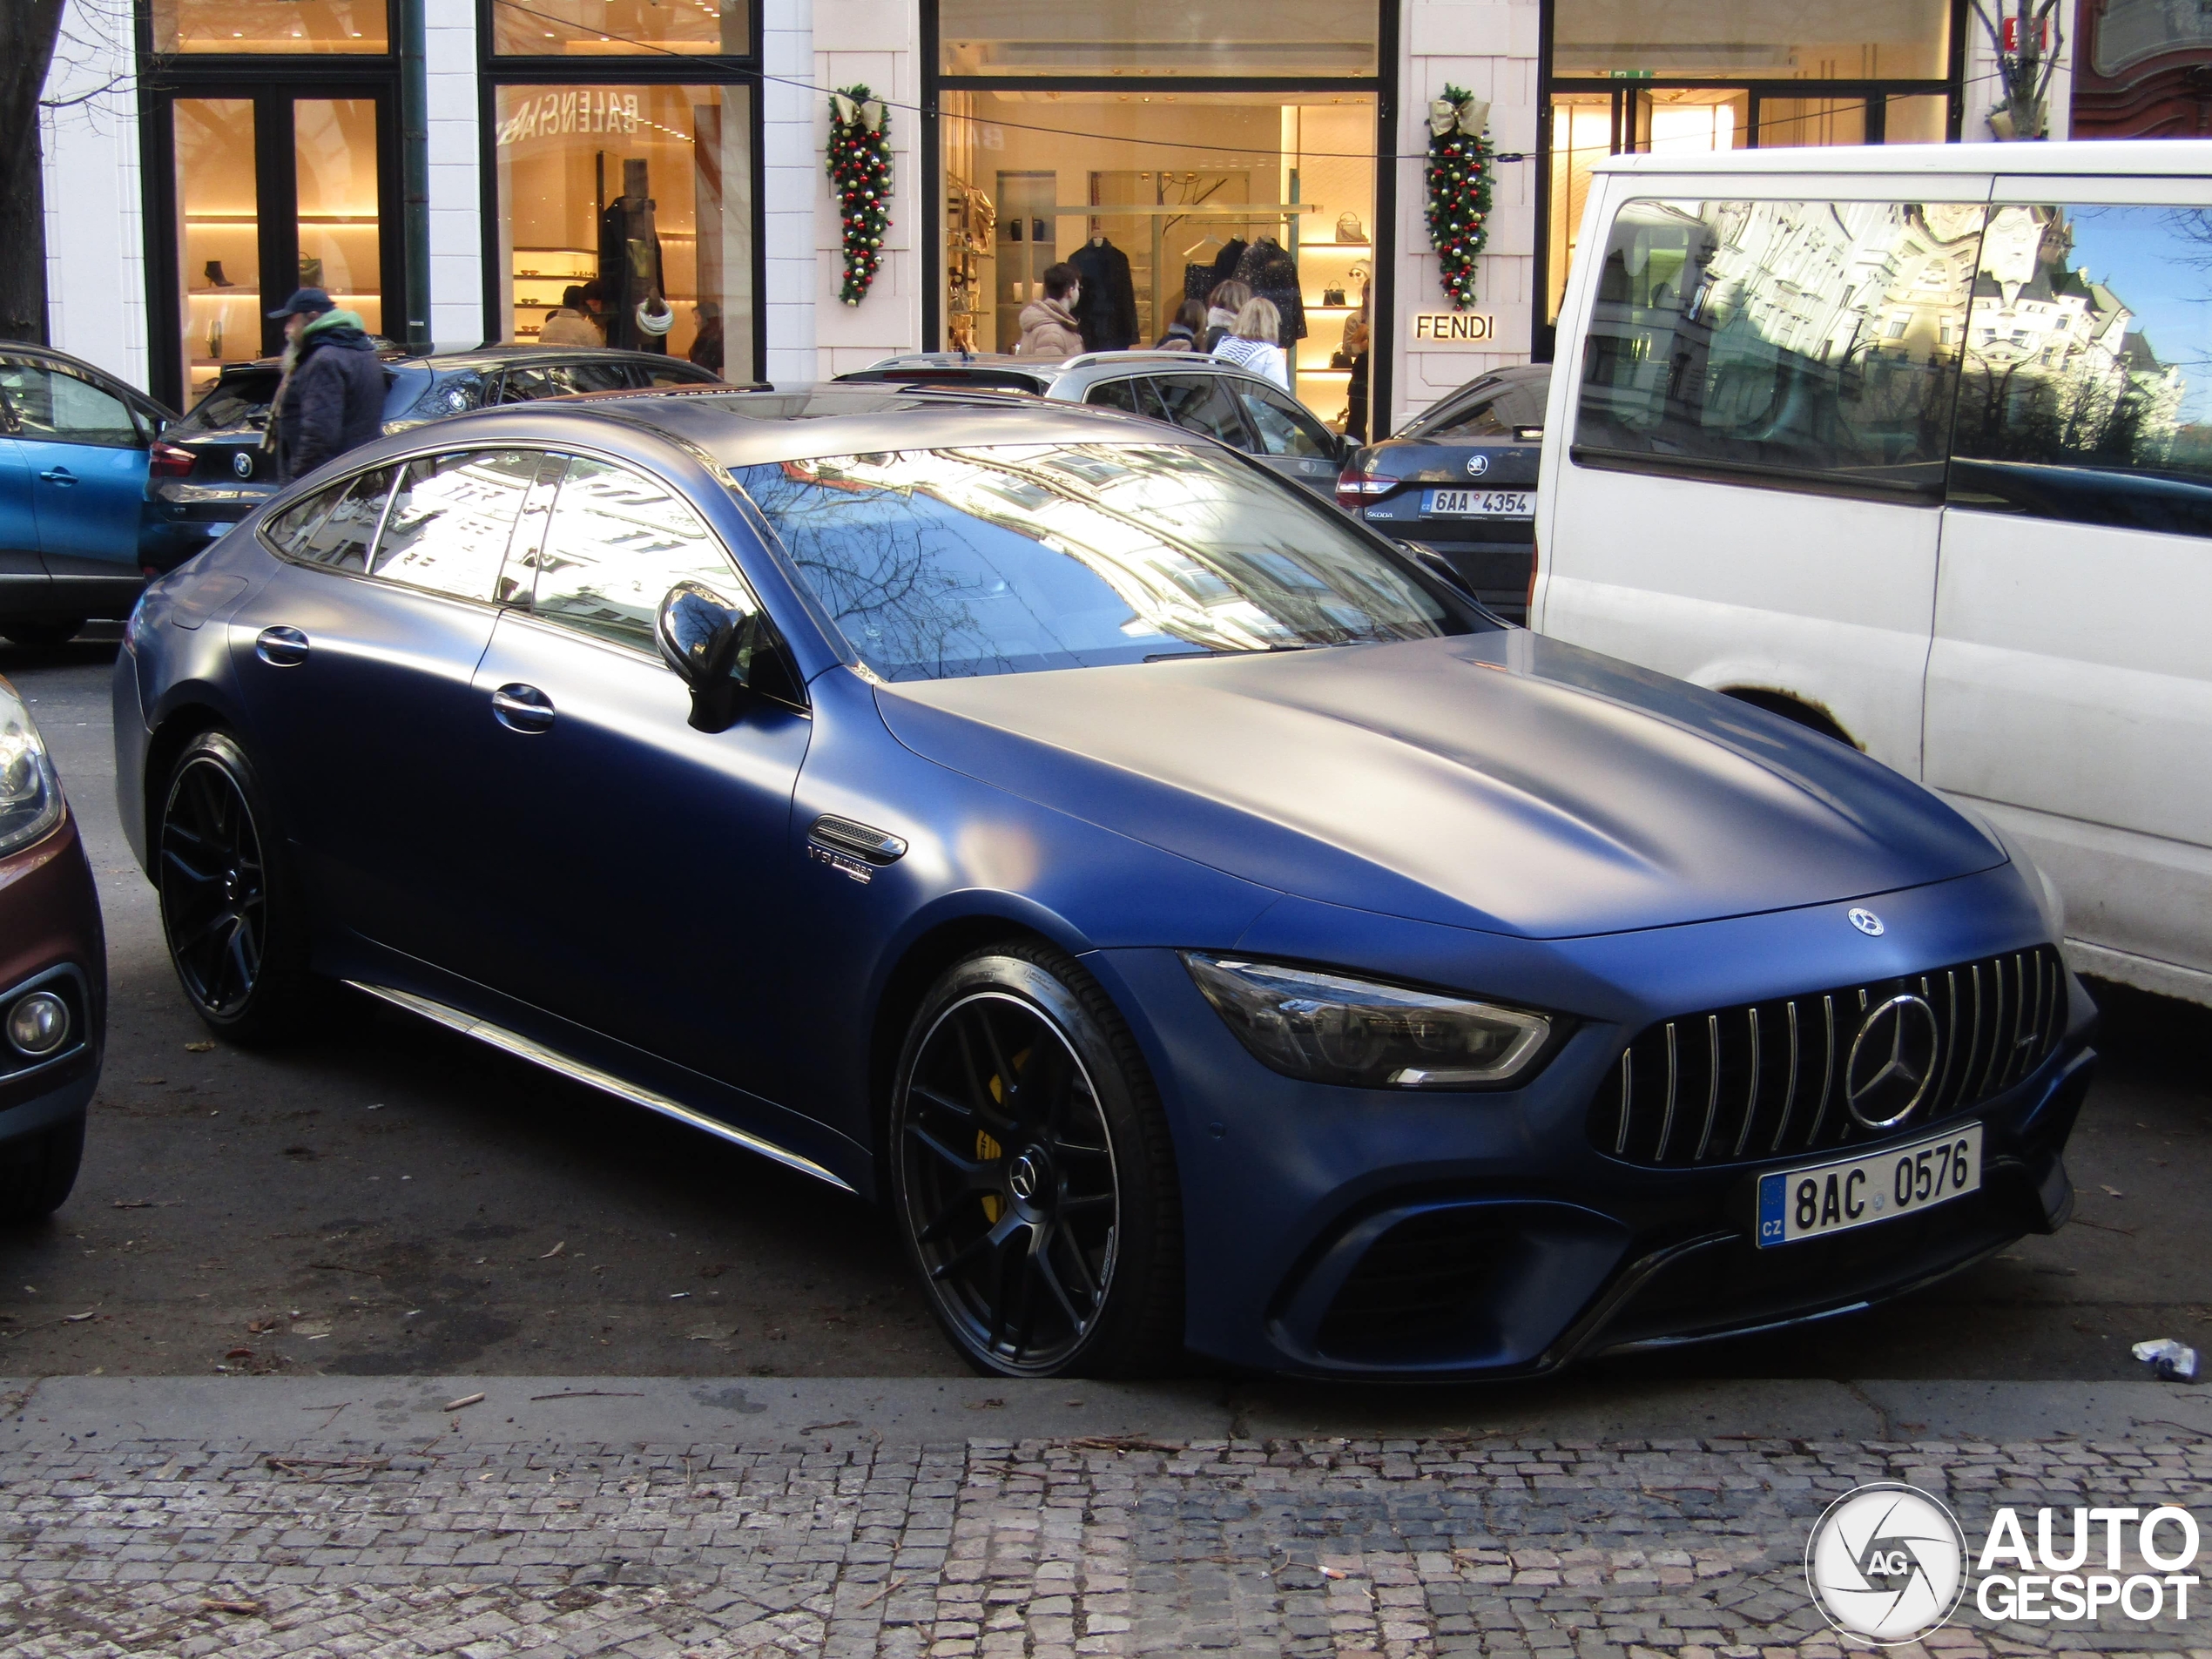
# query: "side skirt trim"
{"type": "Point", "coordinates": [538, 1054]}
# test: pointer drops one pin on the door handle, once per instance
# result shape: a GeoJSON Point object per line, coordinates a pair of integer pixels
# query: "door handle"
{"type": "Point", "coordinates": [58, 476]}
{"type": "Point", "coordinates": [282, 647]}
{"type": "Point", "coordinates": [522, 708]}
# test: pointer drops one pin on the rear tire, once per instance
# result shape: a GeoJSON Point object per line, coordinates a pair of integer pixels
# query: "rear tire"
{"type": "Point", "coordinates": [231, 906]}
{"type": "Point", "coordinates": [44, 635]}
{"type": "Point", "coordinates": [38, 1170]}
{"type": "Point", "coordinates": [1033, 1175]}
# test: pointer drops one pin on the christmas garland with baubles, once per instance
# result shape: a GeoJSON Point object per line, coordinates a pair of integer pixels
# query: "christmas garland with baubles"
{"type": "Point", "coordinates": [860, 168]}
{"type": "Point", "coordinates": [1460, 162]}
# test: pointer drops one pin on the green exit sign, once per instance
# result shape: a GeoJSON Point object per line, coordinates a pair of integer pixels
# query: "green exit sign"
{"type": "Point", "coordinates": [1629, 74]}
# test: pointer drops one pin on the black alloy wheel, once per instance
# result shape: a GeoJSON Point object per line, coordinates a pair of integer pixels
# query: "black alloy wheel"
{"type": "Point", "coordinates": [1032, 1173]}
{"type": "Point", "coordinates": [235, 936]}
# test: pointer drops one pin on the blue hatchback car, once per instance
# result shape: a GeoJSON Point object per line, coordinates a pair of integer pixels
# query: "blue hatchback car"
{"type": "Point", "coordinates": [73, 443]}
{"type": "Point", "coordinates": [1199, 923]}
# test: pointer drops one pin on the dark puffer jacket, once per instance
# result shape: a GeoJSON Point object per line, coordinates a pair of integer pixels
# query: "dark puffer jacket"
{"type": "Point", "coordinates": [333, 399]}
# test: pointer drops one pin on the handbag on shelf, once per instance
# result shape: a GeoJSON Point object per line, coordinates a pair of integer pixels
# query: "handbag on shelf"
{"type": "Point", "coordinates": [1349, 228]}
{"type": "Point", "coordinates": [1333, 296]}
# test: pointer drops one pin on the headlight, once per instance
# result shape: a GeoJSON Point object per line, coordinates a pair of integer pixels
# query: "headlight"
{"type": "Point", "coordinates": [1336, 1030]}
{"type": "Point", "coordinates": [30, 795]}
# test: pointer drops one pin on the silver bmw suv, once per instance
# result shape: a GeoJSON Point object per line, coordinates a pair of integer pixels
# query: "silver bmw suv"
{"type": "Point", "coordinates": [1187, 389]}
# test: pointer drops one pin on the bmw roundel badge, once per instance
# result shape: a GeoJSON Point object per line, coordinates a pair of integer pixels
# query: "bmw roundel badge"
{"type": "Point", "coordinates": [242, 462]}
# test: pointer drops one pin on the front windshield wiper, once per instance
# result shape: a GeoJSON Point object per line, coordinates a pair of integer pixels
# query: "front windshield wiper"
{"type": "Point", "coordinates": [1230, 650]}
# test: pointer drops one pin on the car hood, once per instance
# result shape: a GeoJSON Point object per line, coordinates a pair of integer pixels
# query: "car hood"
{"type": "Point", "coordinates": [1500, 780]}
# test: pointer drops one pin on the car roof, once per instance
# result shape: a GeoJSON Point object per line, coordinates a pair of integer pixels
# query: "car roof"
{"type": "Point", "coordinates": [992, 364]}
{"type": "Point", "coordinates": [32, 348]}
{"type": "Point", "coordinates": [2120, 158]}
{"type": "Point", "coordinates": [489, 356]}
{"type": "Point", "coordinates": [736, 427]}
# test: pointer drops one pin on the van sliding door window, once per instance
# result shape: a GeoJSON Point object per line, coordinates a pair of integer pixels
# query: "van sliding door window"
{"type": "Point", "coordinates": [1803, 344]}
{"type": "Point", "coordinates": [2087, 386]}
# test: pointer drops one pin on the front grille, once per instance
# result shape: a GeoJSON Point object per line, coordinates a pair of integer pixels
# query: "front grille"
{"type": "Point", "coordinates": [1767, 1079]}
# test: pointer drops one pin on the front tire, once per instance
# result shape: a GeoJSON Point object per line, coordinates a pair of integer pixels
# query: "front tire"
{"type": "Point", "coordinates": [1032, 1173]}
{"type": "Point", "coordinates": [230, 906]}
{"type": "Point", "coordinates": [38, 1170]}
{"type": "Point", "coordinates": [44, 634]}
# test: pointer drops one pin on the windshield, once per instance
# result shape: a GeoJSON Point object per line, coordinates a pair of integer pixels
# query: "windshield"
{"type": "Point", "coordinates": [939, 563]}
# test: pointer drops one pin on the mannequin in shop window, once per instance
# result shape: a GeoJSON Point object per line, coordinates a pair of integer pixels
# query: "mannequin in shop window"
{"type": "Point", "coordinates": [638, 316]}
{"type": "Point", "coordinates": [1252, 345]}
{"type": "Point", "coordinates": [1108, 313]}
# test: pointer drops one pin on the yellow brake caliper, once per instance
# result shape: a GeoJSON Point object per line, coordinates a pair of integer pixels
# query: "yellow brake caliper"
{"type": "Point", "coordinates": [989, 1150]}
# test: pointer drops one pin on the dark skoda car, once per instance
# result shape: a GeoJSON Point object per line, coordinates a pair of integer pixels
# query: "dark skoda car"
{"type": "Point", "coordinates": [1461, 481]}
{"type": "Point", "coordinates": [1198, 923]}
{"type": "Point", "coordinates": [212, 468]}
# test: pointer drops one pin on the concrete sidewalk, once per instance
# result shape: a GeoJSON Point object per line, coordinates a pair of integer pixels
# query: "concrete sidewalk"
{"type": "Point", "coordinates": [898, 1517]}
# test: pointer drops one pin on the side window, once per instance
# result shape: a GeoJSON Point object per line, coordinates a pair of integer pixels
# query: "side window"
{"type": "Point", "coordinates": [593, 377]}
{"type": "Point", "coordinates": [1115, 394]}
{"type": "Point", "coordinates": [1755, 338]}
{"type": "Point", "coordinates": [2086, 395]}
{"type": "Point", "coordinates": [335, 527]}
{"type": "Point", "coordinates": [1203, 403]}
{"type": "Point", "coordinates": [675, 374]}
{"type": "Point", "coordinates": [54, 406]}
{"type": "Point", "coordinates": [1284, 429]}
{"type": "Point", "coordinates": [615, 543]}
{"type": "Point", "coordinates": [450, 520]}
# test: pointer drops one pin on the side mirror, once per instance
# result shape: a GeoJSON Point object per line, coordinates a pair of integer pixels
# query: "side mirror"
{"type": "Point", "coordinates": [726, 653]}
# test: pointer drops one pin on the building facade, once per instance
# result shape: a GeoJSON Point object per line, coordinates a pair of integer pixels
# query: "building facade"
{"type": "Point", "coordinates": [450, 168]}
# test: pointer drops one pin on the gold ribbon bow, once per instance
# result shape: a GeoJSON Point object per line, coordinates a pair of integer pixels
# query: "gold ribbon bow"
{"type": "Point", "coordinates": [869, 113]}
{"type": "Point", "coordinates": [1470, 115]}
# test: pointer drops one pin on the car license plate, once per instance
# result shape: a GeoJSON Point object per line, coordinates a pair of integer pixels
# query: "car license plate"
{"type": "Point", "coordinates": [1481, 503]}
{"type": "Point", "coordinates": [1817, 1199]}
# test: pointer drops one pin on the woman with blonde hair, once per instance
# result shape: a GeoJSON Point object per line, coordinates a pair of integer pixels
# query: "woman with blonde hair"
{"type": "Point", "coordinates": [1252, 342]}
{"type": "Point", "coordinates": [1222, 305]}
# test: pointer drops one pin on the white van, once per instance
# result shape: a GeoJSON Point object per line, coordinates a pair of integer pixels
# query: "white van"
{"type": "Point", "coordinates": [1914, 445]}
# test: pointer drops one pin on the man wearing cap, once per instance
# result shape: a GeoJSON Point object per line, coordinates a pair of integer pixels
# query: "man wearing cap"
{"type": "Point", "coordinates": [331, 397]}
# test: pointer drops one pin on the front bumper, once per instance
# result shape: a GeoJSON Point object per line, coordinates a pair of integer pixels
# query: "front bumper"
{"type": "Point", "coordinates": [50, 939]}
{"type": "Point", "coordinates": [1346, 1232]}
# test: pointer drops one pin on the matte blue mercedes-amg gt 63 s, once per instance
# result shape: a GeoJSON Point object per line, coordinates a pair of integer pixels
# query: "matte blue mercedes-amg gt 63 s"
{"type": "Point", "coordinates": [1199, 923]}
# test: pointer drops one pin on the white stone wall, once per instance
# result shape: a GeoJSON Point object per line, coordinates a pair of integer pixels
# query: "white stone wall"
{"type": "Point", "coordinates": [1490, 49]}
{"type": "Point", "coordinates": [875, 42]}
{"type": "Point", "coordinates": [456, 177]}
{"type": "Point", "coordinates": [96, 266]}
{"type": "Point", "coordinates": [791, 165]}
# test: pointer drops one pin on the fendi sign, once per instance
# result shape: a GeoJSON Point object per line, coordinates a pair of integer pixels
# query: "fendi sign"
{"type": "Point", "coordinates": [1454, 328]}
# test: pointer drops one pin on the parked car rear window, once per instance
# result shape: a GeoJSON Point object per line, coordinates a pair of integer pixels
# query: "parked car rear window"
{"type": "Point", "coordinates": [235, 402]}
{"type": "Point", "coordinates": [938, 563]}
{"type": "Point", "coordinates": [2087, 389]}
{"type": "Point", "coordinates": [1806, 343]}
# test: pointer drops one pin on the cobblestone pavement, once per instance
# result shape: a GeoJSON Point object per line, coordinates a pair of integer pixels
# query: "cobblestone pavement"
{"type": "Point", "coordinates": [1392, 1548]}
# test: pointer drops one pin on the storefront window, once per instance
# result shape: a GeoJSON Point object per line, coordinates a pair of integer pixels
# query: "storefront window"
{"type": "Point", "coordinates": [218, 246]}
{"type": "Point", "coordinates": [620, 28]}
{"type": "Point", "coordinates": [640, 194]}
{"type": "Point", "coordinates": [1181, 192]}
{"type": "Point", "coordinates": [1303, 38]}
{"type": "Point", "coordinates": [1752, 39]}
{"type": "Point", "coordinates": [333, 160]}
{"type": "Point", "coordinates": [271, 26]}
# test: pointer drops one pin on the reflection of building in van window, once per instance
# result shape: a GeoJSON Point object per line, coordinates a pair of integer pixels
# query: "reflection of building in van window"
{"type": "Point", "coordinates": [1799, 337]}
{"type": "Point", "coordinates": [2058, 361]}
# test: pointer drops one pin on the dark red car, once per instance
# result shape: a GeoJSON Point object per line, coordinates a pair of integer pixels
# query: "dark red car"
{"type": "Point", "coordinates": [53, 976]}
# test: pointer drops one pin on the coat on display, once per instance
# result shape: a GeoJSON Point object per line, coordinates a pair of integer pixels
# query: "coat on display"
{"type": "Point", "coordinates": [1270, 273]}
{"type": "Point", "coordinates": [630, 264]}
{"type": "Point", "coordinates": [1106, 311]}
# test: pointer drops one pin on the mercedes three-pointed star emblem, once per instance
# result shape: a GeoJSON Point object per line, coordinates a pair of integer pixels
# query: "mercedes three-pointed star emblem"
{"type": "Point", "coordinates": [1893, 1063]}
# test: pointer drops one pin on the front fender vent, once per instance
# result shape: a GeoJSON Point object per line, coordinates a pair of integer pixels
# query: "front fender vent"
{"type": "Point", "coordinates": [1767, 1079]}
{"type": "Point", "coordinates": [861, 840]}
